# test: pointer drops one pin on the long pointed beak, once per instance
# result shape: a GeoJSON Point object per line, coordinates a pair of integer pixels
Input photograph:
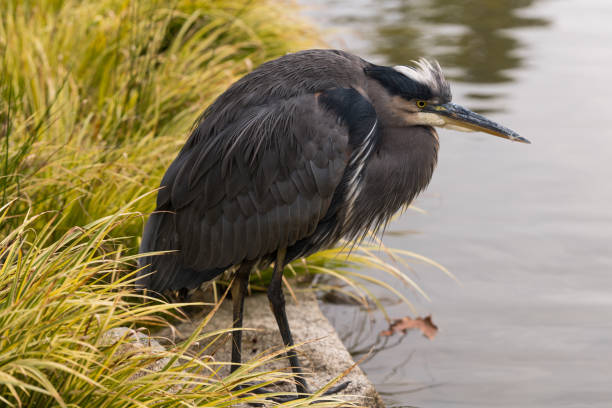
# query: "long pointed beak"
{"type": "Point", "coordinates": [459, 118]}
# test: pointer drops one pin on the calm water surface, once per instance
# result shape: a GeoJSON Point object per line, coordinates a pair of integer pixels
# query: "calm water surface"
{"type": "Point", "coordinates": [526, 229]}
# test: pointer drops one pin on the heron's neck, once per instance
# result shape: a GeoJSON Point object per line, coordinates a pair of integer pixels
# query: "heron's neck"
{"type": "Point", "coordinates": [400, 167]}
{"type": "Point", "coordinates": [404, 162]}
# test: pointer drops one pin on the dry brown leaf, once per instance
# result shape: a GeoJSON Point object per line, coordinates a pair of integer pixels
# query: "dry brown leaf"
{"type": "Point", "coordinates": [427, 327]}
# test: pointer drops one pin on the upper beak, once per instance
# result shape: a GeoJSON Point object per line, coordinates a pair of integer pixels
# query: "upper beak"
{"type": "Point", "coordinates": [460, 118]}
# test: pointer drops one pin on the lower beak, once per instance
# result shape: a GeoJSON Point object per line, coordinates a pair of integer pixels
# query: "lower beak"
{"type": "Point", "coordinates": [459, 118]}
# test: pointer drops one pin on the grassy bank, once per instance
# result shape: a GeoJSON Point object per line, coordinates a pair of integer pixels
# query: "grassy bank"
{"type": "Point", "coordinates": [60, 300]}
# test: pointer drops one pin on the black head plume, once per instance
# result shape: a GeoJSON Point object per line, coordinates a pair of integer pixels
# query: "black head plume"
{"type": "Point", "coordinates": [424, 80]}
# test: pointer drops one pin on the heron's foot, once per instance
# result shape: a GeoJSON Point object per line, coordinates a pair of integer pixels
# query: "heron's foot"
{"type": "Point", "coordinates": [286, 398]}
{"type": "Point", "coordinates": [257, 388]}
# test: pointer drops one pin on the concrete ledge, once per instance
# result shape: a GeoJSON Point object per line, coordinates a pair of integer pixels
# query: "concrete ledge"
{"type": "Point", "coordinates": [323, 355]}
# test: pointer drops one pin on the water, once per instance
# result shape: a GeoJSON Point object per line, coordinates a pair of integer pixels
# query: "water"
{"type": "Point", "coordinates": [527, 229]}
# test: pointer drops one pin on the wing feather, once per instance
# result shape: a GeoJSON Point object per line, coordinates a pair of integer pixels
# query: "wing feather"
{"type": "Point", "coordinates": [261, 184]}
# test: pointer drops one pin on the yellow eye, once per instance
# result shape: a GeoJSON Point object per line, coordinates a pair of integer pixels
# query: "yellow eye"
{"type": "Point", "coordinates": [421, 104]}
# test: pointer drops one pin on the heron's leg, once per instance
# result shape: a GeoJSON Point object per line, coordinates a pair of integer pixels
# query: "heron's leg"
{"type": "Point", "coordinates": [239, 289]}
{"type": "Point", "coordinates": [277, 301]}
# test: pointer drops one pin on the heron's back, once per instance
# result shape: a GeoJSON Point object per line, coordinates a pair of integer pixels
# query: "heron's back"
{"type": "Point", "coordinates": [257, 174]}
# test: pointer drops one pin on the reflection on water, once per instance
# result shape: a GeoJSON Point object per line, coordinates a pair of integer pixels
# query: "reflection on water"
{"type": "Point", "coordinates": [482, 47]}
{"type": "Point", "coordinates": [470, 38]}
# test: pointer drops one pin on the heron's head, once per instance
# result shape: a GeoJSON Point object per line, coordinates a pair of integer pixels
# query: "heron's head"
{"type": "Point", "coordinates": [420, 95]}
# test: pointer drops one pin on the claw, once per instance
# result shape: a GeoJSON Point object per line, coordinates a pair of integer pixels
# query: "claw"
{"type": "Point", "coordinates": [337, 388]}
{"type": "Point", "coordinates": [286, 398]}
{"type": "Point", "coordinates": [279, 399]}
{"type": "Point", "coordinates": [258, 390]}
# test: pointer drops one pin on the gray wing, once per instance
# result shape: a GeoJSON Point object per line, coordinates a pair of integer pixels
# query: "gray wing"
{"type": "Point", "coordinates": [260, 184]}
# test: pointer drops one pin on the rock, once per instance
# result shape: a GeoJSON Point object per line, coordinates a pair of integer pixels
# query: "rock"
{"type": "Point", "coordinates": [322, 354]}
{"type": "Point", "coordinates": [134, 341]}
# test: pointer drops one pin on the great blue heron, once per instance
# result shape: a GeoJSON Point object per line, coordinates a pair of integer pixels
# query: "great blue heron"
{"type": "Point", "coordinates": [305, 150]}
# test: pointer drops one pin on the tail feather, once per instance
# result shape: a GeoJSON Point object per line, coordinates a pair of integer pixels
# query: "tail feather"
{"type": "Point", "coordinates": [167, 271]}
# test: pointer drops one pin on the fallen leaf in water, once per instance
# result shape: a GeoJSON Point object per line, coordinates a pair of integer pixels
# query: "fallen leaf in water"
{"type": "Point", "coordinates": [427, 327]}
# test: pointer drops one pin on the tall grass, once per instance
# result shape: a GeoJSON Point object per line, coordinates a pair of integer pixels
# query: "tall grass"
{"type": "Point", "coordinates": [58, 301]}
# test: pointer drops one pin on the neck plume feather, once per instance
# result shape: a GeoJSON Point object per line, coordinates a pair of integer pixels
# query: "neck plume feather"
{"type": "Point", "coordinates": [396, 173]}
